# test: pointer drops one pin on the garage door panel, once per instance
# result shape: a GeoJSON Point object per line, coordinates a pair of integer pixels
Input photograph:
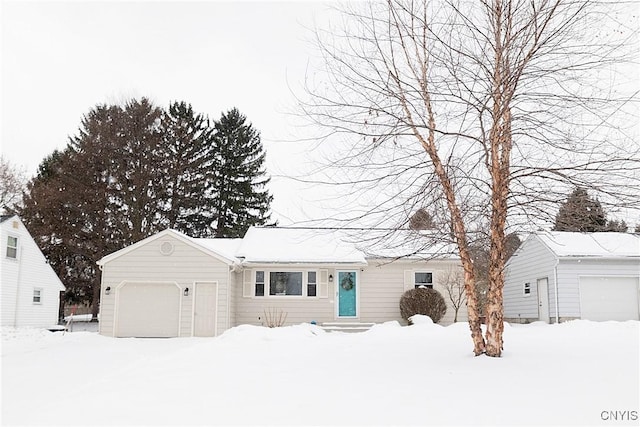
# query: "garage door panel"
{"type": "Point", "coordinates": [609, 298]}
{"type": "Point", "coordinates": [148, 310]}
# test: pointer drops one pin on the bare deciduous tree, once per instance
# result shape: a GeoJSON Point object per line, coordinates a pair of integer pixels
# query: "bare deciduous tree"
{"type": "Point", "coordinates": [13, 181]}
{"type": "Point", "coordinates": [479, 110]}
{"type": "Point", "coordinates": [453, 281]}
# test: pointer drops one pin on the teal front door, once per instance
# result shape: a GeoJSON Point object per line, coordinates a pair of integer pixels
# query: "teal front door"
{"type": "Point", "coordinates": [347, 291]}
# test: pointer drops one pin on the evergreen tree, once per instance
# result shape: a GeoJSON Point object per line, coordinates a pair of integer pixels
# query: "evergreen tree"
{"type": "Point", "coordinates": [187, 158]}
{"type": "Point", "coordinates": [239, 178]}
{"type": "Point", "coordinates": [97, 196]}
{"type": "Point", "coordinates": [580, 213]}
{"type": "Point", "coordinates": [133, 170]}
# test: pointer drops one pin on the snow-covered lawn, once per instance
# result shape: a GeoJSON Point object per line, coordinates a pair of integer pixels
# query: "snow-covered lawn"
{"type": "Point", "coordinates": [575, 373]}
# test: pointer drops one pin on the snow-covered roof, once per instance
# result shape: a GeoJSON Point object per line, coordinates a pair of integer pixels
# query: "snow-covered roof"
{"type": "Point", "coordinates": [297, 245]}
{"type": "Point", "coordinates": [280, 245]}
{"type": "Point", "coordinates": [408, 244]}
{"type": "Point", "coordinates": [602, 244]}
{"type": "Point", "coordinates": [226, 247]}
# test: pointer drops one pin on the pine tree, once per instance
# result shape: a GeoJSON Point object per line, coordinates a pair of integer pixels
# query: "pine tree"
{"type": "Point", "coordinates": [188, 158]}
{"type": "Point", "coordinates": [100, 194]}
{"type": "Point", "coordinates": [580, 213]}
{"type": "Point", "coordinates": [239, 178]}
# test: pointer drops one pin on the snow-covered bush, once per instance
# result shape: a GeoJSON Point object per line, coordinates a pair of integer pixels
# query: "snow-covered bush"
{"type": "Point", "coordinates": [425, 301]}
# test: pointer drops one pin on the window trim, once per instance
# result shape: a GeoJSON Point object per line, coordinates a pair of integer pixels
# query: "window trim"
{"type": "Point", "coordinates": [417, 285]}
{"type": "Point", "coordinates": [526, 289]}
{"type": "Point", "coordinates": [33, 296]}
{"type": "Point", "coordinates": [15, 248]}
{"type": "Point", "coordinates": [267, 282]}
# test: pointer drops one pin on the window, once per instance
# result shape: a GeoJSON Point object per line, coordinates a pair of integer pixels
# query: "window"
{"type": "Point", "coordinates": [37, 296]}
{"type": "Point", "coordinates": [527, 289]}
{"type": "Point", "coordinates": [12, 247]}
{"type": "Point", "coordinates": [424, 280]}
{"type": "Point", "coordinates": [311, 283]}
{"type": "Point", "coordinates": [259, 283]}
{"type": "Point", "coordinates": [285, 283]}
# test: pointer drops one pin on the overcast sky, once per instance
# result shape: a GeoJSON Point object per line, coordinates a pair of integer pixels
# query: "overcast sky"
{"type": "Point", "coordinates": [59, 59]}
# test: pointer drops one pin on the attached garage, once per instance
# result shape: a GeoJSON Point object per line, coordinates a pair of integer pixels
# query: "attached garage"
{"type": "Point", "coordinates": [148, 309]}
{"type": "Point", "coordinates": [609, 298]}
{"type": "Point", "coordinates": [168, 285]}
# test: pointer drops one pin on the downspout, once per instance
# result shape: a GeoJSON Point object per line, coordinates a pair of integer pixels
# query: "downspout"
{"type": "Point", "coordinates": [555, 282]}
{"type": "Point", "coordinates": [19, 255]}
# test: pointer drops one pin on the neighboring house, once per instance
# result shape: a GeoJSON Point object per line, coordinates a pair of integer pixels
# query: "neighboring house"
{"type": "Point", "coordinates": [30, 288]}
{"type": "Point", "coordinates": [172, 285]}
{"type": "Point", "coordinates": [557, 276]}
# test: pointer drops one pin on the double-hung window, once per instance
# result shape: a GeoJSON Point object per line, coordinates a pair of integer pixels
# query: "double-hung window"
{"type": "Point", "coordinates": [423, 280]}
{"type": "Point", "coordinates": [259, 283]}
{"type": "Point", "coordinates": [527, 289]}
{"type": "Point", "coordinates": [37, 296]}
{"type": "Point", "coordinates": [312, 284]}
{"type": "Point", "coordinates": [12, 247]}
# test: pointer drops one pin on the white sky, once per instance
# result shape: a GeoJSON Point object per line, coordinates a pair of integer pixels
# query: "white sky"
{"type": "Point", "coordinates": [59, 59]}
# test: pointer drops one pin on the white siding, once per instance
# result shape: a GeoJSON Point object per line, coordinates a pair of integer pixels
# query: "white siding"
{"type": "Point", "coordinates": [21, 276]}
{"type": "Point", "coordinates": [569, 271]}
{"type": "Point", "coordinates": [385, 284]}
{"type": "Point", "coordinates": [380, 286]}
{"type": "Point", "coordinates": [534, 261]}
{"type": "Point", "coordinates": [186, 265]}
{"type": "Point", "coordinates": [531, 262]}
{"type": "Point", "coordinates": [299, 309]}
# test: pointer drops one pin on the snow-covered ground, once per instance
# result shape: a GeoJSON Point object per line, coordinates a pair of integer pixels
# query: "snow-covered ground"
{"type": "Point", "coordinates": [575, 373]}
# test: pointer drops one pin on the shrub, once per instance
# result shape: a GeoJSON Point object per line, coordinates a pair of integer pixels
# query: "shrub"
{"type": "Point", "coordinates": [274, 317]}
{"type": "Point", "coordinates": [426, 301]}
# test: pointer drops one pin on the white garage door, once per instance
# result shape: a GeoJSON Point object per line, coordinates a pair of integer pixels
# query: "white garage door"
{"type": "Point", "coordinates": [609, 298]}
{"type": "Point", "coordinates": [148, 310]}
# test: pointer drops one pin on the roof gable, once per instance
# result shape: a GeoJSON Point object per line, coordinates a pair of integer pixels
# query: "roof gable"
{"type": "Point", "coordinates": [216, 251]}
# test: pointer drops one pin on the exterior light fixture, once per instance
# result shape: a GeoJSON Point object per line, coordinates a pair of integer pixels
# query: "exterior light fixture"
{"type": "Point", "coordinates": [186, 292]}
{"type": "Point", "coordinates": [107, 291]}
{"type": "Point", "coordinates": [331, 277]}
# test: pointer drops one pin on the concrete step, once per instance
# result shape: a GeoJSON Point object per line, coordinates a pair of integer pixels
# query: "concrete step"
{"type": "Point", "coordinates": [346, 326]}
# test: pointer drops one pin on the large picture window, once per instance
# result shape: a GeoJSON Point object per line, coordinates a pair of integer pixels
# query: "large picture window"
{"type": "Point", "coordinates": [285, 283]}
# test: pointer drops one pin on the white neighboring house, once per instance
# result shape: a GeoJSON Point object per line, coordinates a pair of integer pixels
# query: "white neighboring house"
{"type": "Point", "coordinates": [171, 285]}
{"type": "Point", "coordinates": [30, 288]}
{"type": "Point", "coordinates": [558, 276]}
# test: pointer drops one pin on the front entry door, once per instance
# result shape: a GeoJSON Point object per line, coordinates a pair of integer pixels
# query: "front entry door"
{"type": "Point", "coordinates": [347, 293]}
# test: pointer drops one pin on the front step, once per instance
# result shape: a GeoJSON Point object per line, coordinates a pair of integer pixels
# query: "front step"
{"type": "Point", "coordinates": [346, 326]}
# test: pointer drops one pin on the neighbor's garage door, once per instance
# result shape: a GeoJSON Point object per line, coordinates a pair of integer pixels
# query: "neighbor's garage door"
{"type": "Point", "coordinates": [609, 298]}
{"type": "Point", "coordinates": [148, 310]}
